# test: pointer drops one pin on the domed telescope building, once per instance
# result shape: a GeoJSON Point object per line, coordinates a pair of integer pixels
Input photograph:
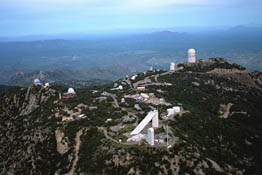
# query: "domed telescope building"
{"type": "Point", "coordinates": [71, 91]}
{"type": "Point", "coordinates": [191, 55]}
{"type": "Point", "coordinates": [37, 82]}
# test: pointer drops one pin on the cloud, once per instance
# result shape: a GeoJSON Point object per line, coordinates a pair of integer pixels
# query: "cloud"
{"type": "Point", "coordinates": [102, 6]}
{"type": "Point", "coordinates": [124, 4]}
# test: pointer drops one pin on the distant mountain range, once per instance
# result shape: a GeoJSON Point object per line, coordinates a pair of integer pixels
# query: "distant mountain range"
{"type": "Point", "coordinates": [73, 78]}
{"type": "Point", "coordinates": [241, 45]}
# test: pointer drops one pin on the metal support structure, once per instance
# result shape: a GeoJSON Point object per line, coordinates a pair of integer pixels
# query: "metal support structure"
{"type": "Point", "coordinates": [166, 135]}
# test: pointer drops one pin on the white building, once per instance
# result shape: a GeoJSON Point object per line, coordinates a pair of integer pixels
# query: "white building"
{"type": "Point", "coordinates": [46, 85]}
{"type": "Point", "coordinates": [150, 136]}
{"type": "Point", "coordinates": [71, 91]}
{"type": "Point", "coordinates": [37, 82]}
{"type": "Point", "coordinates": [191, 55]}
{"type": "Point", "coordinates": [136, 138]}
{"type": "Point", "coordinates": [151, 116]}
{"type": "Point", "coordinates": [173, 111]}
{"type": "Point", "coordinates": [172, 66]}
{"type": "Point", "coordinates": [177, 109]}
{"type": "Point", "coordinates": [133, 77]}
{"type": "Point", "coordinates": [120, 87]}
{"type": "Point", "coordinates": [170, 112]}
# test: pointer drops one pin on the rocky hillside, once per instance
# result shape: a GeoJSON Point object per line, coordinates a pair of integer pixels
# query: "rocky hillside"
{"type": "Point", "coordinates": [218, 130]}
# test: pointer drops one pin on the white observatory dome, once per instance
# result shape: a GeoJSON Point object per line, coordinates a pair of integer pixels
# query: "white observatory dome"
{"type": "Point", "coordinates": [71, 91]}
{"type": "Point", "coordinates": [37, 81]}
{"type": "Point", "coordinates": [191, 51]}
{"type": "Point", "coordinates": [191, 55]}
{"type": "Point", "coordinates": [47, 85]}
{"type": "Point", "coordinates": [120, 87]}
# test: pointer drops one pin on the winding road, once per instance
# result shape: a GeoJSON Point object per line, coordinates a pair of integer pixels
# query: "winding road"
{"type": "Point", "coordinates": [77, 146]}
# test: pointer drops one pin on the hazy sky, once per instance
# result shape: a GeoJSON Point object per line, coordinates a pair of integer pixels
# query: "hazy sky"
{"type": "Point", "coordinates": [26, 17]}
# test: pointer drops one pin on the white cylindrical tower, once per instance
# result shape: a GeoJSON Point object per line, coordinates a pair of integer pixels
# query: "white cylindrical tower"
{"type": "Point", "coordinates": [172, 66]}
{"type": "Point", "coordinates": [150, 136]}
{"type": "Point", "coordinates": [191, 55]}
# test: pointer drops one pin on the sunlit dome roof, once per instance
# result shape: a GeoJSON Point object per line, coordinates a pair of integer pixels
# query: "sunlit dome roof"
{"type": "Point", "coordinates": [191, 51]}
{"type": "Point", "coordinates": [120, 87]}
{"type": "Point", "coordinates": [36, 81]}
{"type": "Point", "coordinates": [46, 84]}
{"type": "Point", "coordinates": [71, 91]}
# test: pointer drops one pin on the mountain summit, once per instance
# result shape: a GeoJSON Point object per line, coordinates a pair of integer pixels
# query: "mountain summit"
{"type": "Point", "coordinates": [217, 130]}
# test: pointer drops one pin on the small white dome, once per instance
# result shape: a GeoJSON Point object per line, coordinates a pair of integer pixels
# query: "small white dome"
{"type": "Point", "coordinates": [191, 51]}
{"type": "Point", "coordinates": [36, 81]}
{"type": "Point", "coordinates": [71, 91]}
{"type": "Point", "coordinates": [120, 87]}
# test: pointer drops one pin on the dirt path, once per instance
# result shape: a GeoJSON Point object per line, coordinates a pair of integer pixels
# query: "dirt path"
{"type": "Point", "coordinates": [115, 100]}
{"type": "Point", "coordinates": [77, 146]}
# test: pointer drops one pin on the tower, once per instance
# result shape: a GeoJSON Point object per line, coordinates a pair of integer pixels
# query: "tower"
{"type": "Point", "coordinates": [172, 66]}
{"type": "Point", "coordinates": [155, 120]}
{"type": "Point", "coordinates": [150, 136]}
{"type": "Point", "coordinates": [191, 55]}
{"type": "Point", "coordinates": [151, 69]}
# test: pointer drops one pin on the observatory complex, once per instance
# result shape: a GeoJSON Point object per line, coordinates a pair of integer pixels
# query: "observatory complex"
{"type": "Point", "coordinates": [191, 55]}
{"type": "Point", "coordinates": [151, 116]}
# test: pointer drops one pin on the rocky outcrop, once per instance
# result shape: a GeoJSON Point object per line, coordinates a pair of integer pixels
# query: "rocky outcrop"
{"type": "Point", "coordinates": [35, 96]}
{"type": "Point", "coordinates": [250, 79]}
{"type": "Point", "coordinates": [61, 143]}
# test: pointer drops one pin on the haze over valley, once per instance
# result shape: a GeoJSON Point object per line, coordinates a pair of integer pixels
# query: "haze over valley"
{"type": "Point", "coordinates": [129, 52]}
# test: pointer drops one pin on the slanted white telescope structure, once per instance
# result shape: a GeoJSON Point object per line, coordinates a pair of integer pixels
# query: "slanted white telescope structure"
{"type": "Point", "coordinates": [152, 115]}
{"type": "Point", "coordinates": [191, 55]}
